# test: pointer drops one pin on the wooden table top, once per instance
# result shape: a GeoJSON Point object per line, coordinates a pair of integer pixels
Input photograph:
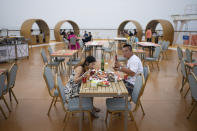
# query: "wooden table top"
{"type": "Point", "coordinates": [115, 89]}
{"type": "Point", "coordinates": [147, 44]}
{"type": "Point", "coordinates": [120, 38]}
{"type": "Point", "coordinates": [64, 53]}
{"type": "Point", "coordinates": [2, 70]}
{"type": "Point", "coordinates": [191, 65]}
{"type": "Point", "coordinates": [94, 43]}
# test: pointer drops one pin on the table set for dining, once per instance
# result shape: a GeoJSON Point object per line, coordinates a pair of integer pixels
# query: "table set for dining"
{"type": "Point", "coordinates": [104, 84]}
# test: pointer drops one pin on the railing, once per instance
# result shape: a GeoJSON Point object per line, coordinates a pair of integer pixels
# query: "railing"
{"type": "Point", "coordinates": [96, 33]}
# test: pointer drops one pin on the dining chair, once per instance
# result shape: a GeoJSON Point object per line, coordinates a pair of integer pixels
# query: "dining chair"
{"type": "Point", "coordinates": [164, 47]}
{"type": "Point", "coordinates": [11, 82]}
{"type": "Point", "coordinates": [77, 62]}
{"type": "Point", "coordinates": [193, 87]}
{"type": "Point", "coordinates": [146, 73]}
{"type": "Point", "coordinates": [180, 56]}
{"type": "Point", "coordinates": [156, 57]}
{"type": "Point", "coordinates": [195, 70]}
{"type": "Point", "coordinates": [110, 49]}
{"type": "Point", "coordinates": [2, 86]}
{"type": "Point", "coordinates": [72, 105]}
{"type": "Point", "coordinates": [188, 55]}
{"type": "Point", "coordinates": [52, 64]}
{"type": "Point", "coordinates": [184, 74]}
{"type": "Point", "coordinates": [57, 59]}
{"type": "Point", "coordinates": [117, 105]}
{"type": "Point", "coordinates": [50, 84]}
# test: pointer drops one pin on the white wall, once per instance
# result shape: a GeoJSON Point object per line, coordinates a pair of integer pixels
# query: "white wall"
{"type": "Point", "coordinates": [88, 13]}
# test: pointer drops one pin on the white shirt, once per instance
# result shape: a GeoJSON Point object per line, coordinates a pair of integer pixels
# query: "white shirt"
{"type": "Point", "coordinates": [135, 65]}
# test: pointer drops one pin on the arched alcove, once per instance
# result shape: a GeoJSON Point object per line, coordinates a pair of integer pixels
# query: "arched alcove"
{"type": "Point", "coordinates": [137, 25]}
{"type": "Point", "coordinates": [168, 30]}
{"type": "Point", "coordinates": [57, 34]}
{"type": "Point", "coordinates": [26, 29]}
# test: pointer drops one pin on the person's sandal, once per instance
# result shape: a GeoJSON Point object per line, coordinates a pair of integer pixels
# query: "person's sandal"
{"type": "Point", "coordinates": [96, 109]}
{"type": "Point", "coordinates": [94, 115]}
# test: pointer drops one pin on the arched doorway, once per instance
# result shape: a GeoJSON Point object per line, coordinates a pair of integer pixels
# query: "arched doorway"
{"type": "Point", "coordinates": [168, 30]}
{"type": "Point", "coordinates": [42, 37]}
{"type": "Point", "coordinates": [137, 25]}
{"type": "Point", "coordinates": [57, 34]}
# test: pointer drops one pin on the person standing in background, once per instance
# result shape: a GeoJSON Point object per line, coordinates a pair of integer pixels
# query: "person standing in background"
{"type": "Point", "coordinates": [148, 35]}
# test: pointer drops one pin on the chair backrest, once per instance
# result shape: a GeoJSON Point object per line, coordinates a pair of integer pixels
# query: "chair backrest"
{"type": "Point", "coordinates": [12, 75]}
{"type": "Point", "coordinates": [163, 45]}
{"type": "Point", "coordinates": [2, 82]}
{"type": "Point", "coordinates": [50, 50]}
{"type": "Point", "coordinates": [195, 70]}
{"type": "Point", "coordinates": [111, 45]}
{"type": "Point", "coordinates": [60, 89]}
{"type": "Point", "coordinates": [183, 69]}
{"type": "Point", "coordinates": [49, 79]}
{"type": "Point", "coordinates": [160, 42]}
{"type": "Point", "coordinates": [146, 72]}
{"type": "Point", "coordinates": [139, 83]}
{"type": "Point", "coordinates": [167, 43]}
{"type": "Point", "coordinates": [73, 41]}
{"type": "Point", "coordinates": [188, 54]}
{"type": "Point", "coordinates": [180, 53]}
{"type": "Point", "coordinates": [193, 85]}
{"type": "Point", "coordinates": [157, 52]}
{"type": "Point", "coordinates": [44, 57]}
{"type": "Point", "coordinates": [82, 58]}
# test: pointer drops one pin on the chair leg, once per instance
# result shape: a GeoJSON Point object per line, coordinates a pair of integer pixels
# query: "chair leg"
{"type": "Point", "coordinates": [14, 95]}
{"type": "Point", "coordinates": [106, 116]}
{"type": "Point", "coordinates": [142, 108]}
{"type": "Point", "coordinates": [166, 55]}
{"type": "Point", "coordinates": [3, 112]}
{"type": "Point", "coordinates": [178, 66]}
{"type": "Point", "coordinates": [10, 96]}
{"type": "Point", "coordinates": [191, 110]}
{"type": "Point", "coordinates": [51, 105]}
{"type": "Point", "coordinates": [90, 119]}
{"type": "Point", "coordinates": [183, 83]}
{"type": "Point", "coordinates": [158, 66]}
{"type": "Point", "coordinates": [65, 117]}
{"type": "Point", "coordinates": [55, 100]}
{"type": "Point", "coordinates": [6, 104]}
{"type": "Point", "coordinates": [66, 120]}
{"type": "Point", "coordinates": [131, 114]}
{"type": "Point", "coordinates": [186, 92]}
{"type": "Point", "coordinates": [152, 64]}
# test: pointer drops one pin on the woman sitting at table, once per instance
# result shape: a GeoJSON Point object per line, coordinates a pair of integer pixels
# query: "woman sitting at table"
{"type": "Point", "coordinates": [73, 47]}
{"type": "Point", "coordinates": [84, 71]}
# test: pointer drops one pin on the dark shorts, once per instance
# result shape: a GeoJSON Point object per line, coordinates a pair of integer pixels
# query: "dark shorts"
{"type": "Point", "coordinates": [129, 87]}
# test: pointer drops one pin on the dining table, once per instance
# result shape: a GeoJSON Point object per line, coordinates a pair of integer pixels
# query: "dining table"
{"type": "Point", "coordinates": [115, 89]}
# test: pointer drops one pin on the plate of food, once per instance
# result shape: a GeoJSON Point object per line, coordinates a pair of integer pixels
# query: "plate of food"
{"type": "Point", "coordinates": [103, 83]}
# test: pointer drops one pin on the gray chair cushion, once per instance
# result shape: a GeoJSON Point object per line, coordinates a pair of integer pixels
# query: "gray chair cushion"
{"type": "Point", "coordinates": [86, 103]}
{"type": "Point", "coordinates": [56, 92]}
{"type": "Point", "coordinates": [150, 59]}
{"type": "Point", "coordinates": [73, 62]}
{"type": "Point", "coordinates": [116, 104]}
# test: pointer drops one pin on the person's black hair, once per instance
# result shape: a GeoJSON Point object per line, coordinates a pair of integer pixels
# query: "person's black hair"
{"type": "Point", "coordinates": [88, 60]}
{"type": "Point", "coordinates": [128, 46]}
{"type": "Point", "coordinates": [71, 33]}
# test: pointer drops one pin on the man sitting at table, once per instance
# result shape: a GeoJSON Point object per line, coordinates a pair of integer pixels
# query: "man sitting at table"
{"type": "Point", "coordinates": [132, 69]}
